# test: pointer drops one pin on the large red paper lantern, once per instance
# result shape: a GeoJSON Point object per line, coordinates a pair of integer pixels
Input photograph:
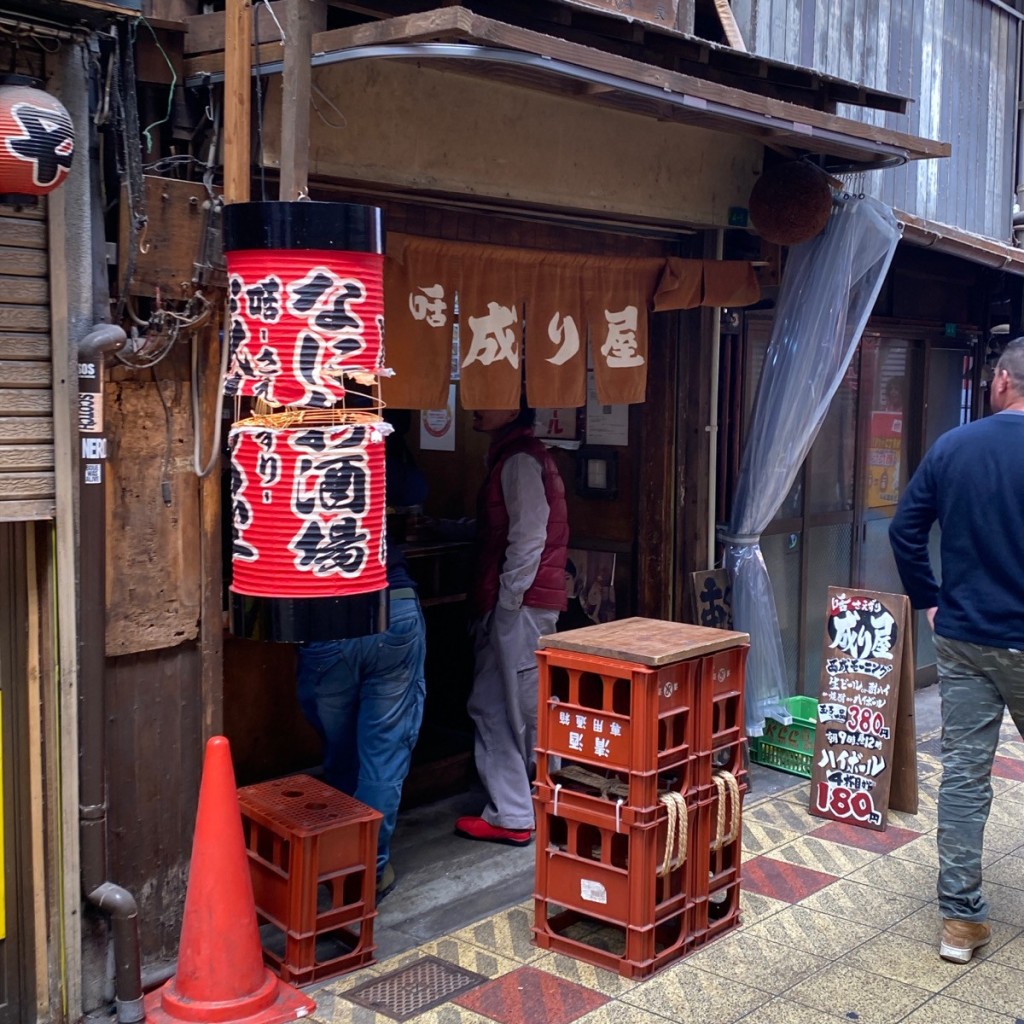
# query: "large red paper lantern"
{"type": "Point", "coordinates": [308, 508]}
{"type": "Point", "coordinates": [37, 139]}
{"type": "Point", "coordinates": [306, 300]}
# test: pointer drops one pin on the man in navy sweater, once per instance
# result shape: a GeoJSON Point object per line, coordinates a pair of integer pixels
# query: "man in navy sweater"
{"type": "Point", "coordinates": [972, 482]}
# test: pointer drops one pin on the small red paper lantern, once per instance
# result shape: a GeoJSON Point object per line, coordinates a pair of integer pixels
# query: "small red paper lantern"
{"type": "Point", "coordinates": [37, 139]}
{"type": "Point", "coordinates": [308, 508]}
{"type": "Point", "coordinates": [306, 300]}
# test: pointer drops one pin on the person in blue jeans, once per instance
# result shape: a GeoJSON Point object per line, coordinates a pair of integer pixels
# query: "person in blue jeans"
{"type": "Point", "coordinates": [971, 481]}
{"type": "Point", "coordinates": [364, 696]}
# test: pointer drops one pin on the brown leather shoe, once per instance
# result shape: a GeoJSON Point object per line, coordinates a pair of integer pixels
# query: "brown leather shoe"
{"type": "Point", "coordinates": [961, 938]}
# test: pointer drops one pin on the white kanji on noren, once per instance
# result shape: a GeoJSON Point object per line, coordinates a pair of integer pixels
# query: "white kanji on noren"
{"type": "Point", "coordinates": [620, 346]}
{"type": "Point", "coordinates": [563, 332]}
{"type": "Point", "coordinates": [493, 341]}
{"type": "Point", "coordinates": [429, 306]}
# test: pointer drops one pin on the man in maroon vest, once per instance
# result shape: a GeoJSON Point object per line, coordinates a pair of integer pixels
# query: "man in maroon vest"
{"type": "Point", "coordinates": [523, 532]}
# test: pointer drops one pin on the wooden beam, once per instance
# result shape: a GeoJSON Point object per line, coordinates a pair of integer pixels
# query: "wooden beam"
{"type": "Point", "coordinates": [303, 17]}
{"type": "Point", "coordinates": [211, 627]}
{"type": "Point", "coordinates": [65, 420]}
{"type": "Point", "coordinates": [732, 31]}
{"type": "Point", "coordinates": [207, 32]}
{"type": "Point", "coordinates": [237, 101]}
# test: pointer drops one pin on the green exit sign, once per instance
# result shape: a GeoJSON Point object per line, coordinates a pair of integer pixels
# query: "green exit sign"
{"type": "Point", "coordinates": [950, 330]}
{"type": "Point", "coordinates": [738, 217]}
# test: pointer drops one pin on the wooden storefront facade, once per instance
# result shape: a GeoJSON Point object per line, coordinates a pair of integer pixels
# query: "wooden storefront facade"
{"type": "Point", "coordinates": [621, 158]}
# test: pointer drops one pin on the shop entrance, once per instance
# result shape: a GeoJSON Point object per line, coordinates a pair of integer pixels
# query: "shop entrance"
{"type": "Point", "coordinates": [906, 385]}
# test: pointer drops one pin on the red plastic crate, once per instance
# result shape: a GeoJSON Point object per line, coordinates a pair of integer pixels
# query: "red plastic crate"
{"type": "Point", "coordinates": [305, 959]}
{"type": "Point", "coordinates": [618, 714]}
{"type": "Point", "coordinates": [717, 914]}
{"type": "Point", "coordinates": [606, 796]}
{"type": "Point", "coordinates": [717, 836]}
{"type": "Point", "coordinates": [730, 757]}
{"type": "Point", "coordinates": [617, 874]}
{"type": "Point", "coordinates": [633, 952]}
{"type": "Point", "coordinates": [312, 855]}
{"type": "Point", "coordinates": [722, 677]}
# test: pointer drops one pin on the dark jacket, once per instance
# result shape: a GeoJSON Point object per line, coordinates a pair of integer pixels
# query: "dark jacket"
{"type": "Point", "coordinates": [972, 483]}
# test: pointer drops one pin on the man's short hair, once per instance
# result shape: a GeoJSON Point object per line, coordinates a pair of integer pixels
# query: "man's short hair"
{"type": "Point", "coordinates": [1012, 361]}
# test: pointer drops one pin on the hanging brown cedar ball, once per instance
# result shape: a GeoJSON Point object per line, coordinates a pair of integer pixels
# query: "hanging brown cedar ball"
{"type": "Point", "coordinates": [790, 203]}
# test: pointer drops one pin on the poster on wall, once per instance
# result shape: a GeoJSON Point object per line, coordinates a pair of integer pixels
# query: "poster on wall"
{"type": "Point", "coordinates": [589, 587]}
{"type": "Point", "coordinates": [557, 426]}
{"type": "Point", "coordinates": [606, 424]}
{"type": "Point", "coordinates": [865, 753]}
{"type": "Point", "coordinates": [437, 426]}
{"type": "Point", "coordinates": [884, 447]}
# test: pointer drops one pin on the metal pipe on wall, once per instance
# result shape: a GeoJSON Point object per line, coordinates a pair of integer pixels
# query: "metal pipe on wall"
{"type": "Point", "coordinates": [712, 427]}
{"type": "Point", "coordinates": [98, 889]}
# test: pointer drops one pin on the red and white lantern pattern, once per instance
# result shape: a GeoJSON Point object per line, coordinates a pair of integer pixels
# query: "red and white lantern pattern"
{"type": "Point", "coordinates": [308, 509]}
{"type": "Point", "coordinates": [37, 139]}
{"type": "Point", "coordinates": [300, 321]}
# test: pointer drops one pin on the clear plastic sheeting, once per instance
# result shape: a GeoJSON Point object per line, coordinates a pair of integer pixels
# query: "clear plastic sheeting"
{"type": "Point", "coordinates": [829, 288]}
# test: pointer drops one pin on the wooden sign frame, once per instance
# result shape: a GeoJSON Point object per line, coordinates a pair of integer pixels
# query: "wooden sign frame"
{"type": "Point", "coordinates": [711, 598]}
{"type": "Point", "coordinates": [865, 745]}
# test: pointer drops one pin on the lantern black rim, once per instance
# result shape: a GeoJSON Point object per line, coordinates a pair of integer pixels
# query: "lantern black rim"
{"type": "Point", "coordinates": [303, 224]}
{"type": "Point", "coordinates": [26, 80]}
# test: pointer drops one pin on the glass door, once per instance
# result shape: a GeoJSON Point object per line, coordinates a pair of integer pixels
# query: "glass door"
{"type": "Point", "coordinates": [904, 387]}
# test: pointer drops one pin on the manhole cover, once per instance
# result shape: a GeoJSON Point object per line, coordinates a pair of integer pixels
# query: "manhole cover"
{"type": "Point", "coordinates": [410, 990]}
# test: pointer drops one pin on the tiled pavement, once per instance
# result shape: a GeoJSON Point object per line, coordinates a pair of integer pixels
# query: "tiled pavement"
{"type": "Point", "coordinates": [837, 923]}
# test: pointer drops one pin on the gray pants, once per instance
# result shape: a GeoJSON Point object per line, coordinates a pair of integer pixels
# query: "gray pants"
{"type": "Point", "coordinates": [977, 684]}
{"type": "Point", "coordinates": [503, 706]}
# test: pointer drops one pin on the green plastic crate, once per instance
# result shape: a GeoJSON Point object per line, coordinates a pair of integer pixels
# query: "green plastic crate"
{"type": "Point", "coordinates": [789, 748]}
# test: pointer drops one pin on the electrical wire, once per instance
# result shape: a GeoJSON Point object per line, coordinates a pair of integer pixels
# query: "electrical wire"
{"type": "Point", "coordinates": [196, 412]}
{"type": "Point", "coordinates": [170, 89]}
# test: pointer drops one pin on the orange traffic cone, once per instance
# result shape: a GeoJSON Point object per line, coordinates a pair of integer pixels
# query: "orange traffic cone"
{"type": "Point", "coordinates": [221, 978]}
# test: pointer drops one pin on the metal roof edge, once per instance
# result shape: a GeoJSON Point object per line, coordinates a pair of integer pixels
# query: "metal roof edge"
{"type": "Point", "coordinates": [989, 252]}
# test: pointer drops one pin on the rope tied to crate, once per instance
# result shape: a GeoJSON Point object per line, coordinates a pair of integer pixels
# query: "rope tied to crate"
{"type": "Point", "coordinates": [676, 835]}
{"type": "Point", "coordinates": [728, 799]}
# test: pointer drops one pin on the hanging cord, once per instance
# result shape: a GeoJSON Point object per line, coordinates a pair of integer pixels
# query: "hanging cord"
{"type": "Point", "coordinates": [170, 88]}
{"type": "Point", "coordinates": [221, 334]}
{"type": "Point", "coordinates": [168, 322]}
{"type": "Point", "coordinates": [677, 833]}
{"type": "Point", "coordinates": [728, 797]}
{"type": "Point", "coordinates": [129, 160]}
{"type": "Point", "coordinates": [343, 123]}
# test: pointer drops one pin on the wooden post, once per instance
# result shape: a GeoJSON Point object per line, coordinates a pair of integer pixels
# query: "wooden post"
{"type": "Point", "coordinates": [237, 100]}
{"type": "Point", "coordinates": [304, 17]}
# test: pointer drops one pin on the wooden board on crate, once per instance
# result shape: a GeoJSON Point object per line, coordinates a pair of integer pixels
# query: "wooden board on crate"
{"type": "Point", "coordinates": [645, 641]}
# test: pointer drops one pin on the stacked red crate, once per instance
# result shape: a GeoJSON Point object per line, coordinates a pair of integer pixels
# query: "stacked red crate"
{"type": "Point", "coordinates": [638, 794]}
{"type": "Point", "coordinates": [312, 855]}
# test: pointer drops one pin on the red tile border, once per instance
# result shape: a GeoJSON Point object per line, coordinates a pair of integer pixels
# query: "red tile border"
{"type": "Point", "coordinates": [528, 996]}
{"type": "Point", "coordinates": [866, 839]}
{"type": "Point", "coordinates": [1008, 768]}
{"type": "Point", "coordinates": [782, 881]}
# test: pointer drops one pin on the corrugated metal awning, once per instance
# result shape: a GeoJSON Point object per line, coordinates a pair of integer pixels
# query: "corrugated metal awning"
{"type": "Point", "coordinates": [957, 242]}
{"type": "Point", "coordinates": [469, 43]}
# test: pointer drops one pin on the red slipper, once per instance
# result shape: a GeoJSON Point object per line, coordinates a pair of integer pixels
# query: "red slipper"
{"type": "Point", "coordinates": [476, 828]}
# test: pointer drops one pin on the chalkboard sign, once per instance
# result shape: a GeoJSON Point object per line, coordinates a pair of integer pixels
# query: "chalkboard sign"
{"type": "Point", "coordinates": [865, 752]}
